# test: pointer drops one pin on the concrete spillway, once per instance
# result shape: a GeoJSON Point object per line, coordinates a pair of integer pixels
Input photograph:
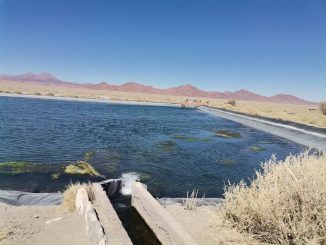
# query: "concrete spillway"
{"type": "Point", "coordinates": [305, 136]}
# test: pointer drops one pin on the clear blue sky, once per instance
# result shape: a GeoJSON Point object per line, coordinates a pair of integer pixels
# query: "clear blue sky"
{"type": "Point", "coordinates": [266, 46]}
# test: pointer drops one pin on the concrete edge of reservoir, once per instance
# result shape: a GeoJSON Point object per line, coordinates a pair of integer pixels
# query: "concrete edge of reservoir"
{"type": "Point", "coordinates": [112, 226]}
{"type": "Point", "coordinates": [164, 226]}
{"type": "Point", "coordinates": [301, 136]}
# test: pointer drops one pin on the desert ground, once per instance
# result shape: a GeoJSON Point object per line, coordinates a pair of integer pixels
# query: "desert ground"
{"type": "Point", "coordinates": [205, 224]}
{"type": "Point", "coordinates": [306, 114]}
{"type": "Point", "coordinates": [51, 225]}
{"type": "Point", "coordinates": [31, 225]}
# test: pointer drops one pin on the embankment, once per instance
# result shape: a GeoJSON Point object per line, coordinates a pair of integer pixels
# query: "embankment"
{"type": "Point", "coordinates": [309, 136]}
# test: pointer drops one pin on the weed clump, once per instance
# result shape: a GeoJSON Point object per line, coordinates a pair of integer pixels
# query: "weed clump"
{"type": "Point", "coordinates": [191, 201]}
{"type": "Point", "coordinates": [69, 195]}
{"type": "Point", "coordinates": [284, 204]}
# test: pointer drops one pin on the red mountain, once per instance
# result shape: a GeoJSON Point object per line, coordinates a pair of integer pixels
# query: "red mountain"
{"type": "Point", "coordinates": [289, 99]}
{"type": "Point", "coordinates": [243, 94]}
{"type": "Point", "coordinates": [100, 86]}
{"type": "Point", "coordinates": [126, 87]}
{"type": "Point", "coordinates": [185, 90]}
{"type": "Point", "coordinates": [32, 77]}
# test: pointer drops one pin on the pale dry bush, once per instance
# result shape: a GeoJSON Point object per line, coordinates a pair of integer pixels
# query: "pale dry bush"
{"type": "Point", "coordinates": [285, 204]}
{"type": "Point", "coordinates": [69, 195]}
{"type": "Point", "coordinates": [191, 201]}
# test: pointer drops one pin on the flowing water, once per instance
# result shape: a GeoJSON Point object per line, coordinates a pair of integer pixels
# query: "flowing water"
{"type": "Point", "coordinates": [172, 150]}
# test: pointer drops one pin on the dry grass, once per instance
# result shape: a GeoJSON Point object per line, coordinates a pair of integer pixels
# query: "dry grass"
{"type": "Point", "coordinates": [307, 114]}
{"type": "Point", "coordinates": [69, 195]}
{"type": "Point", "coordinates": [192, 200]}
{"type": "Point", "coordinates": [285, 204]}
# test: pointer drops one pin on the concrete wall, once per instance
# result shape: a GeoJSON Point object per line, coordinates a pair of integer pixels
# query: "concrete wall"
{"type": "Point", "coordinates": [167, 230]}
{"type": "Point", "coordinates": [114, 231]}
{"type": "Point", "coordinates": [93, 226]}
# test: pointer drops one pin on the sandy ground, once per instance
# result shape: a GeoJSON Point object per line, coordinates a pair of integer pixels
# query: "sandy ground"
{"type": "Point", "coordinates": [206, 226]}
{"type": "Point", "coordinates": [306, 114]}
{"type": "Point", "coordinates": [38, 225]}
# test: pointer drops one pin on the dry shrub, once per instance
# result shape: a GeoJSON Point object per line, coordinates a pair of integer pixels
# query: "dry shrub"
{"type": "Point", "coordinates": [322, 108]}
{"type": "Point", "coordinates": [232, 102]}
{"type": "Point", "coordinates": [285, 204]}
{"type": "Point", "coordinates": [191, 202]}
{"type": "Point", "coordinates": [69, 195]}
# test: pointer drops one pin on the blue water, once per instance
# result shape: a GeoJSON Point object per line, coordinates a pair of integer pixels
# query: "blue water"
{"type": "Point", "coordinates": [172, 149]}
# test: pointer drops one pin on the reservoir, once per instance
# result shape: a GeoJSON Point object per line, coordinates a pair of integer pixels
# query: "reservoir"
{"type": "Point", "coordinates": [172, 150]}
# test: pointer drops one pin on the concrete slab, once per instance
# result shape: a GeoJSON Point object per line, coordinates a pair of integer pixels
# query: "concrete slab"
{"type": "Point", "coordinates": [114, 231]}
{"type": "Point", "coordinates": [164, 226]}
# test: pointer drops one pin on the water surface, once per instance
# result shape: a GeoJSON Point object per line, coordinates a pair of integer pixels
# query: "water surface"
{"type": "Point", "coordinates": [172, 149]}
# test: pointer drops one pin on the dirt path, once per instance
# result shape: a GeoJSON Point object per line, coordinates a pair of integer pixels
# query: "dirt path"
{"type": "Point", "coordinates": [41, 225]}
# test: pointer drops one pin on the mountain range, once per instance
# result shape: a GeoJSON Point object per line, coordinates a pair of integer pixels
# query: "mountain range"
{"type": "Point", "coordinates": [184, 90]}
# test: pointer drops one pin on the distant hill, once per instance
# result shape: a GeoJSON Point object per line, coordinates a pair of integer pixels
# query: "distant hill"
{"type": "Point", "coordinates": [290, 99]}
{"type": "Point", "coordinates": [133, 87]}
{"type": "Point", "coordinates": [32, 77]}
{"type": "Point", "coordinates": [126, 87]}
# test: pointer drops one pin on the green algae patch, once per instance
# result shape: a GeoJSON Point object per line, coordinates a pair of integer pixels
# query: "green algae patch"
{"type": "Point", "coordinates": [185, 138]}
{"type": "Point", "coordinates": [89, 154]}
{"type": "Point", "coordinates": [55, 175]}
{"type": "Point", "coordinates": [81, 168]}
{"type": "Point", "coordinates": [206, 140]}
{"type": "Point", "coordinates": [144, 177]}
{"type": "Point", "coordinates": [21, 167]}
{"type": "Point", "coordinates": [257, 149]}
{"type": "Point", "coordinates": [168, 145]}
{"type": "Point", "coordinates": [227, 161]}
{"type": "Point", "coordinates": [227, 134]}
{"type": "Point", "coordinates": [111, 167]}
{"type": "Point", "coordinates": [15, 167]}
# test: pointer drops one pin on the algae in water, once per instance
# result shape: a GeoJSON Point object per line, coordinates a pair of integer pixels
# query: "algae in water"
{"type": "Point", "coordinates": [81, 167]}
{"type": "Point", "coordinates": [227, 134]}
{"type": "Point", "coordinates": [257, 149]}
